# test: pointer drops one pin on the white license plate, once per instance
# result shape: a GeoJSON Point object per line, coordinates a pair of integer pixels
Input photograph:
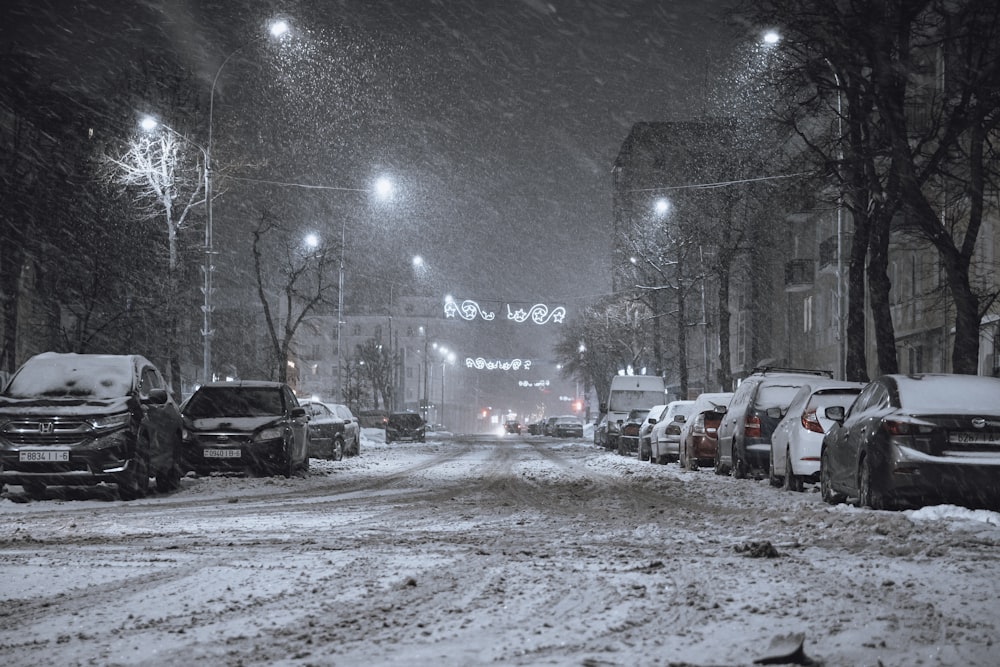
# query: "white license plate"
{"type": "Point", "coordinates": [223, 453]}
{"type": "Point", "coordinates": [973, 437]}
{"type": "Point", "coordinates": [43, 455]}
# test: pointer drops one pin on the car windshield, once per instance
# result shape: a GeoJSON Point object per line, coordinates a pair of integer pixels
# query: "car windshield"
{"type": "Point", "coordinates": [776, 395]}
{"type": "Point", "coordinates": [209, 402]}
{"type": "Point", "coordinates": [72, 376]}
{"type": "Point", "coordinates": [405, 420]}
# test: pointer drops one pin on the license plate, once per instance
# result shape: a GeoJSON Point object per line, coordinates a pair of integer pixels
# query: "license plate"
{"type": "Point", "coordinates": [974, 437]}
{"type": "Point", "coordinates": [223, 453]}
{"type": "Point", "coordinates": [43, 455]}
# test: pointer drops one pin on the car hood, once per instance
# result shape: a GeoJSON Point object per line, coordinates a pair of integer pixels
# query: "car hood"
{"type": "Point", "coordinates": [239, 424]}
{"type": "Point", "coordinates": [56, 407]}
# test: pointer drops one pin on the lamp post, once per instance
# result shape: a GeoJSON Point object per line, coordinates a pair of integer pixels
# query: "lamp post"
{"type": "Point", "coordinates": [277, 29]}
{"type": "Point", "coordinates": [383, 190]}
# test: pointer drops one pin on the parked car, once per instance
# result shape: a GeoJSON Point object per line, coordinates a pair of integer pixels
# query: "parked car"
{"type": "Point", "coordinates": [512, 426]}
{"type": "Point", "coordinates": [327, 433]}
{"type": "Point", "coordinates": [352, 428]}
{"type": "Point", "coordinates": [698, 435]}
{"type": "Point", "coordinates": [537, 427]}
{"type": "Point", "coordinates": [405, 426]}
{"type": "Point", "coordinates": [568, 426]}
{"type": "Point", "coordinates": [912, 440]}
{"type": "Point", "coordinates": [601, 432]}
{"type": "Point", "coordinates": [647, 426]}
{"type": "Point", "coordinates": [758, 404]}
{"type": "Point", "coordinates": [665, 438]}
{"type": "Point", "coordinates": [254, 427]}
{"type": "Point", "coordinates": [798, 438]}
{"type": "Point", "coordinates": [83, 419]}
{"type": "Point", "coordinates": [548, 426]}
{"type": "Point", "coordinates": [628, 433]}
{"type": "Point", "coordinates": [628, 393]}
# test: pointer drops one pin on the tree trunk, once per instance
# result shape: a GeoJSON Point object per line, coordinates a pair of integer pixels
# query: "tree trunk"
{"type": "Point", "coordinates": [724, 374]}
{"type": "Point", "coordinates": [878, 292]}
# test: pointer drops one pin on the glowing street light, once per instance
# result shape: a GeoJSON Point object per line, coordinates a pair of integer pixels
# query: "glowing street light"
{"type": "Point", "coordinates": [276, 29]}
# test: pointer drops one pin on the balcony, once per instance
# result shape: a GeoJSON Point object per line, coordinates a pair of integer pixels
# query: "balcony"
{"type": "Point", "coordinates": [800, 274]}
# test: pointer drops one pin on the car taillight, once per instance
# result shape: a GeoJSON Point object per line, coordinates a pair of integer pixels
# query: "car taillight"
{"type": "Point", "coordinates": [698, 428]}
{"type": "Point", "coordinates": [893, 427]}
{"type": "Point", "coordinates": [810, 421]}
{"type": "Point", "coordinates": [751, 428]}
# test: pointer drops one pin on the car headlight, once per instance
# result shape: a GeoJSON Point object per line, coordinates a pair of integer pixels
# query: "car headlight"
{"type": "Point", "coordinates": [273, 433]}
{"type": "Point", "coordinates": [111, 422]}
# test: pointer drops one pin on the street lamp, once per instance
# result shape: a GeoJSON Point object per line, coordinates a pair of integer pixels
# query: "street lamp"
{"type": "Point", "coordinates": [383, 189]}
{"type": "Point", "coordinates": [277, 29]}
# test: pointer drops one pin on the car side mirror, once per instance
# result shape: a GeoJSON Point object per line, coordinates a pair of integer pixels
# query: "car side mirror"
{"type": "Point", "coordinates": [836, 413]}
{"type": "Point", "coordinates": [603, 407]}
{"type": "Point", "coordinates": [680, 419]}
{"type": "Point", "coordinates": [651, 420]}
{"type": "Point", "coordinates": [720, 410]}
{"type": "Point", "coordinates": [774, 413]}
{"type": "Point", "coordinates": [298, 412]}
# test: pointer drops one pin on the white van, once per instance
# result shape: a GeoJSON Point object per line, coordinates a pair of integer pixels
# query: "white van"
{"type": "Point", "coordinates": [628, 393]}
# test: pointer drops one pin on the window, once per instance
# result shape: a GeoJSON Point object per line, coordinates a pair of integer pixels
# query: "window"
{"type": "Point", "coordinates": [807, 314]}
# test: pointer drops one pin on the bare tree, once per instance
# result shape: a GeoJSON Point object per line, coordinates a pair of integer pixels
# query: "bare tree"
{"type": "Point", "coordinates": [377, 363]}
{"type": "Point", "coordinates": [298, 276]}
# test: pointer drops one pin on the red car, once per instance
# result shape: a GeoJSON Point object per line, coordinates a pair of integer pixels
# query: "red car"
{"type": "Point", "coordinates": [699, 435]}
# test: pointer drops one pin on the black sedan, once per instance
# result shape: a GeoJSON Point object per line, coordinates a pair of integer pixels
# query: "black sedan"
{"type": "Point", "coordinates": [912, 440]}
{"type": "Point", "coordinates": [327, 432]}
{"type": "Point", "coordinates": [256, 427]}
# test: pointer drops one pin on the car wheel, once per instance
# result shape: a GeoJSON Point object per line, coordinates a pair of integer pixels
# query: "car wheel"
{"type": "Point", "coordinates": [868, 494]}
{"type": "Point", "coordinates": [739, 469]}
{"type": "Point", "coordinates": [135, 484]}
{"type": "Point", "coordinates": [826, 482]}
{"type": "Point", "coordinates": [169, 479]}
{"type": "Point", "coordinates": [773, 479]}
{"type": "Point", "coordinates": [338, 450]}
{"type": "Point", "coordinates": [719, 469]}
{"type": "Point", "coordinates": [792, 481]}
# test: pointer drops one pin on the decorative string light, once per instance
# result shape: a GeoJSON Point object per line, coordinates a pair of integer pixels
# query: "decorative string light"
{"type": "Point", "coordinates": [480, 363]}
{"type": "Point", "coordinates": [469, 310]}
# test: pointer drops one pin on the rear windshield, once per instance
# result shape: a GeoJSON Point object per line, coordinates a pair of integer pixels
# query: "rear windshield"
{"type": "Point", "coordinates": [209, 402]}
{"type": "Point", "coordinates": [775, 396]}
{"type": "Point", "coordinates": [73, 376]}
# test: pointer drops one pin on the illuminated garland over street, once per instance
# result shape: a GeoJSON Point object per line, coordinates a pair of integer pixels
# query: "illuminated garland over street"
{"type": "Point", "coordinates": [539, 314]}
{"type": "Point", "coordinates": [498, 364]}
{"type": "Point", "coordinates": [470, 310]}
{"type": "Point", "coordinates": [525, 383]}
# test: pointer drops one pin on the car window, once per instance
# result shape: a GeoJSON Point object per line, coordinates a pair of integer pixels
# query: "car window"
{"type": "Point", "coordinates": [317, 410]}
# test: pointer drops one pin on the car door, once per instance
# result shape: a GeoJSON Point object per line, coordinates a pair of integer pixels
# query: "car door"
{"type": "Point", "coordinates": [863, 428]}
{"type": "Point", "coordinates": [162, 420]}
{"type": "Point", "coordinates": [351, 428]}
{"type": "Point", "coordinates": [731, 420]}
{"type": "Point", "coordinates": [843, 448]}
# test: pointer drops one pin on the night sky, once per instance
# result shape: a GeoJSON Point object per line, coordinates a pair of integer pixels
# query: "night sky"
{"type": "Point", "coordinates": [498, 120]}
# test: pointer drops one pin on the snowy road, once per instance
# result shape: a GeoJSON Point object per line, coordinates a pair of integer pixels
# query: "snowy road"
{"type": "Point", "coordinates": [521, 551]}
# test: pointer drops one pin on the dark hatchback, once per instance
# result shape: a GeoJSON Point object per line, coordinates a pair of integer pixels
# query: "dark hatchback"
{"type": "Point", "coordinates": [911, 440]}
{"type": "Point", "coordinates": [83, 419]}
{"type": "Point", "coordinates": [405, 426]}
{"type": "Point", "coordinates": [256, 427]}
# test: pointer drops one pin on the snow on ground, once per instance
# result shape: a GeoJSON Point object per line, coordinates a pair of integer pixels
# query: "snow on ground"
{"type": "Point", "coordinates": [511, 550]}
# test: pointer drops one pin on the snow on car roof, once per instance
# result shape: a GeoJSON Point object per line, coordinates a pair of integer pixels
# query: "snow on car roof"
{"type": "Point", "coordinates": [73, 375]}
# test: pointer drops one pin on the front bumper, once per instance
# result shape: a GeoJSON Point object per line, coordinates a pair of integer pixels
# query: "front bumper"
{"type": "Point", "coordinates": [104, 459]}
{"type": "Point", "coordinates": [205, 457]}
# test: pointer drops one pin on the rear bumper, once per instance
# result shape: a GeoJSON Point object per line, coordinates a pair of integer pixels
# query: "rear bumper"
{"type": "Point", "coordinates": [920, 477]}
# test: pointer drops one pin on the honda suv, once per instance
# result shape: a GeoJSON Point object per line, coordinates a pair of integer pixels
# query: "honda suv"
{"type": "Point", "coordinates": [759, 403]}
{"type": "Point", "coordinates": [83, 419]}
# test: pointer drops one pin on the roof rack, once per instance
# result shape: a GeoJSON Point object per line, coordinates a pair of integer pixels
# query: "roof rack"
{"type": "Point", "coordinates": [781, 369]}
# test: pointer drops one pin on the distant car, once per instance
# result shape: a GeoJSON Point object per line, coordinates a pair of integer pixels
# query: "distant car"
{"type": "Point", "coordinates": [512, 426]}
{"type": "Point", "coordinates": [645, 448]}
{"type": "Point", "coordinates": [628, 435]}
{"type": "Point", "coordinates": [912, 440]}
{"type": "Point", "coordinates": [537, 427]}
{"type": "Point", "coordinates": [568, 427]}
{"type": "Point", "coordinates": [698, 435]}
{"type": "Point", "coordinates": [548, 425]}
{"type": "Point", "coordinates": [327, 433]}
{"type": "Point", "coordinates": [352, 425]}
{"type": "Point", "coordinates": [665, 438]}
{"type": "Point", "coordinates": [83, 419]}
{"type": "Point", "coordinates": [405, 426]}
{"type": "Point", "coordinates": [254, 427]}
{"type": "Point", "coordinates": [759, 403]}
{"type": "Point", "coordinates": [797, 440]}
